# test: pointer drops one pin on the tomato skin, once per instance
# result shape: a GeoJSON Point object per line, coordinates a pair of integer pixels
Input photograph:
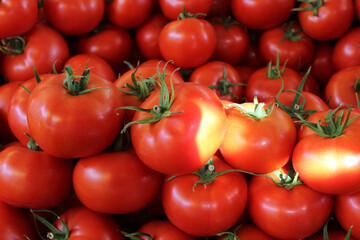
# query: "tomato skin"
{"type": "Point", "coordinates": [326, 25]}
{"type": "Point", "coordinates": [244, 72]}
{"type": "Point", "coordinates": [115, 182]}
{"type": "Point", "coordinates": [17, 17]}
{"type": "Point", "coordinates": [258, 146]}
{"type": "Point", "coordinates": [52, 112]}
{"type": "Point", "coordinates": [271, 207]}
{"type": "Point", "coordinates": [296, 54]}
{"type": "Point", "coordinates": [189, 42]}
{"type": "Point", "coordinates": [128, 13]}
{"type": "Point", "coordinates": [97, 64]}
{"type": "Point", "coordinates": [346, 50]}
{"type": "Point", "coordinates": [216, 207]}
{"type": "Point", "coordinates": [43, 47]}
{"type": "Point", "coordinates": [86, 224]}
{"type": "Point", "coordinates": [74, 17]}
{"type": "Point", "coordinates": [172, 9]}
{"type": "Point", "coordinates": [163, 230]}
{"type": "Point", "coordinates": [212, 72]}
{"type": "Point", "coordinates": [263, 14]}
{"type": "Point", "coordinates": [147, 36]}
{"type": "Point", "coordinates": [347, 212]}
{"type": "Point", "coordinates": [33, 179]}
{"type": "Point", "coordinates": [340, 88]}
{"type": "Point", "coordinates": [197, 105]}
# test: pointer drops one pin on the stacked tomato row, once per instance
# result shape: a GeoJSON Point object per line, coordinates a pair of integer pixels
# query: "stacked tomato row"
{"type": "Point", "coordinates": [196, 119]}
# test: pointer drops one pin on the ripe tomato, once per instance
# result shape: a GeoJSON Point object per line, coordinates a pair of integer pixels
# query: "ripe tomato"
{"type": "Point", "coordinates": [17, 17]}
{"type": "Point", "coordinates": [262, 14]}
{"type": "Point", "coordinates": [128, 13]}
{"type": "Point", "coordinates": [43, 47]}
{"type": "Point", "coordinates": [217, 206]}
{"type": "Point", "coordinates": [272, 207]}
{"type": "Point", "coordinates": [74, 17]}
{"type": "Point", "coordinates": [221, 77]}
{"type": "Point", "coordinates": [33, 179]}
{"type": "Point", "coordinates": [327, 20]}
{"type": "Point", "coordinates": [97, 64]}
{"type": "Point", "coordinates": [189, 42]}
{"type": "Point", "coordinates": [115, 182]}
{"type": "Point", "coordinates": [194, 105]}
{"type": "Point", "coordinates": [172, 9]}
{"type": "Point", "coordinates": [53, 110]}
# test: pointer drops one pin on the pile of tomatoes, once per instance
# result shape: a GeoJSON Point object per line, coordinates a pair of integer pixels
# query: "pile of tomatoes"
{"type": "Point", "coordinates": [188, 119]}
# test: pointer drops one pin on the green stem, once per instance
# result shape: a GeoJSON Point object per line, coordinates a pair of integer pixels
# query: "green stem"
{"type": "Point", "coordinates": [314, 6]}
{"type": "Point", "coordinates": [290, 33]}
{"type": "Point", "coordinates": [260, 111]}
{"type": "Point", "coordinates": [134, 236]}
{"type": "Point", "coordinates": [224, 86]}
{"type": "Point", "coordinates": [32, 145]}
{"type": "Point", "coordinates": [185, 14]}
{"type": "Point", "coordinates": [357, 85]}
{"type": "Point", "coordinates": [12, 45]}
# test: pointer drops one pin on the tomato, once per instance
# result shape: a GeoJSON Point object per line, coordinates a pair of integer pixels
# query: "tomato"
{"type": "Point", "coordinates": [257, 144]}
{"type": "Point", "coordinates": [17, 17]}
{"type": "Point", "coordinates": [33, 179]}
{"type": "Point", "coordinates": [220, 8]}
{"type": "Point", "coordinates": [15, 223]}
{"type": "Point", "coordinates": [128, 13]}
{"type": "Point", "coordinates": [327, 20]}
{"type": "Point", "coordinates": [343, 87]}
{"type": "Point", "coordinates": [347, 212]}
{"type": "Point", "coordinates": [293, 46]}
{"type": "Point", "coordinates": [250, 231]}
{"type": "Point", "coordinates": [162, 230]}
{"type": "Point", "coordinates": [329, 164]}
{"type": "Point", "coordinates": [189, 42]}
{"type": "Point", "coordinates": [220, 77]}
{"type": "Point", "coordinates": [147, 36]}
{"type": "Point", "coordinates": [97, 64]}
{"type": "Point", "coordinates": [346, 50]}
{"type": "Point", "coordinates": [111, 43]}
{"type": "Point", "coordinates": [172, 9]}
{"type": "Point", "coordinates": [115, 182]}
{"type": "Point", "coordinates": [53, 111]}
{"type": "Point", "coordinates": [216, 206]}
{"type": "Point", "coordinates": [280, 212]}
{"type": "Point", "coordinates": [262, 14]}
{"type": "Point", "coordinates": [74, 17]}
{"type": "Point", "coordinates": [232, 41]}
{"type": "Point", "coordinates": [43, 47]}
{"type": "Point", "coordinates": [158, 144]}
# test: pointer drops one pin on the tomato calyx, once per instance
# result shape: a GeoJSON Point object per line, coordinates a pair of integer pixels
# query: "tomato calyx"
{"type": "Point", "coordinates": [334, 126]}
{"type": "Point", "coordinates": [12, 45]}
{"type": "Point", "coordinates": [314, 6]}
{"type": "Point", "coordinates": [226, 22]}
{"type": "Point", "coordinates": [134, 236]}
{"type": "Point", "coordinates": [274, 72]}
{"type": "Point", "coordinates": [290, 33]}
{"type": "Point", "coordinates": [162, 109]}
{"type": "Point", "coordinates": [54, 233]}
{"type": "Point", "coordinates": [185, 14]}
{"type": "Point", "coordinates": [224, 86]}
{"type": "Point", "coordinates": [259, 111]}
{"type": "Point", "coordinates": [32, 145]}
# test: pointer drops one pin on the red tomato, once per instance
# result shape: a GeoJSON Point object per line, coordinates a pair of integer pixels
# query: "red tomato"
{"type": "Point", "coordinates": [189, 42]}
{"type": "Point", "coordinates": [347, 212]}
{"type": "Point", "coordinates": [147, 36]}
{"type": "Point", "coordinates": [172, 9]}
{"type": "Point", "coordinates": [343, 87]}
{"type": "Point", "coordinates": [262, 14]}
{"type": "Point", "coordinates": [328, 20]}
{"type": "Point", "coordinates": [68, 125]}
{"type": "Point", "coordinates": [43, 47]}
{"type": "Point", "coordinates": [205, 210]}
{"type": "Point", "coordinates": [232, 41]}
{"type": "Point", "coordinates": [74, 17]}
{"type": "Point", "coordinates": [346, 50]}
{"type": "Point", "coordinates": [220, 77]}
{"type": "Point", "coordinates": [128, 13]}
{"type": "Point", "coordinates": [280, 212]}
{"type": "Point", "coordinates": [249, 232]}
{"type": "Point", "coordinates": [162, 230]}
{"type": "Point", "coordinates": [33, 179]}
{"type": "Point", "coordinates": [115, 182]}
{"type": "Point", "coordinates": [15, 224]}
{"type": "Point", "coordinates": [329, 164]}
{"type": "Point", "coordinates": [195, 104]}
{"type": "Point", "coordinates": [220, 8]}
{"type": "Point", "coordinates": [17, 17]}
{"type": "Point", "coordinates": [257, 145]}
{"type": "Point", "coordinates": [294, 47]}
{"type": "Point", "coordinates": [111, 43]}
{"type": "Point", "coordinates": [97, 64]}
